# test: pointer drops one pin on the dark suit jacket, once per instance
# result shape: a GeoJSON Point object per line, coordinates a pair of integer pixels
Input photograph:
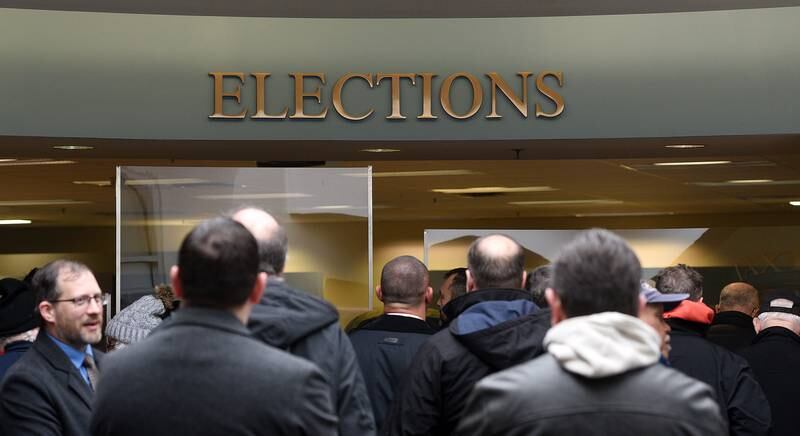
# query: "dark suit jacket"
{"type": "Point", "coordinates": [44, 394]}
{"type": "Point", "coordinates": [203, 374]}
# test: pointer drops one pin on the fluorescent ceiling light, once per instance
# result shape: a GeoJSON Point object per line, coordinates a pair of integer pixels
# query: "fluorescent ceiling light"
{"type": "Point", "coordinates": [41, 202]}
{"type": "Point", "coordinates": [749, 181]}
{"type": "Point", "coordinates": [26, 162]}
{"type": "Point", "coordinates": [493, 189]}
{"type": "Point", "coordinates": [795, 203]}
{"type": "Point", "coordinates": [562, 202]}
{"type": "Point", "coordinates": [12, 222]}
{"type": "Point", "coordinates": [421, 173]}
{"type": "Point", "coordinates": [93, 182]}
{"type": "Point", "coordinates": [760, 182]}
{"type": "Point", "coordinates": [381, 150]}
{"type": "Point", "coordinates": [147, 182]}
{"type": "Point", "coordinates": [7, 160]}
{"type": "Point", "coordinates": [333, 207]}
{"type": "Point", "coordinates": [264, 196]}
{"type": "Point", "coordinates": [73, 147]}
{"type": "Point", "coordinates": [684, 146]}
{"type": "Point", "coordinates": [610, 214]}
{"type": "Point", "coordinates": [692, 163]}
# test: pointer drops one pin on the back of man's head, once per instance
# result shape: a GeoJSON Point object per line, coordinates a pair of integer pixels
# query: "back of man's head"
{"type": "Point", "coordinates": [218, 264]}
{"type": "Point", "coordinates": [458, 282]}
{"type": "Point", "coordinates": [273, 243]}
{"type": "Point", "coordinates": [404, 281]}
{"type": "Point", "coordinates": [680, 279]}
{"type": "Point", "coordinates": [739, 297]}
{"type": "Point", "coordinates": [496, 261]}
{"type": "Point", "coordinates": [537, 282]}
{"type": "Point", "coordinates": [597, 272]}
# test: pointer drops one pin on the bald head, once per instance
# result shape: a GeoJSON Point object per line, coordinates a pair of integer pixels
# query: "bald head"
{"type": "Point", "coordinates": [739, 297]}
{"type": "Point", "coordinates": [404, 280]}
{"type": "Point", "coordinates": [271, 237]}
{"type": "Point", "coordinates": [496, 261]}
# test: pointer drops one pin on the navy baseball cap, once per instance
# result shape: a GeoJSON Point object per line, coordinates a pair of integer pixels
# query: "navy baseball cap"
{"type": "Point", "coordinates": [783, 300]}
{"type": "Point", "coordinates": [652, 296]}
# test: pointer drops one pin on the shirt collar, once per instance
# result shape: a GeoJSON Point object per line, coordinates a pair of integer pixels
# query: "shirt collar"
{"type": "Point", "coordinates": [407, 315]}
{"type": "Point", "coordinates": [75, 356]}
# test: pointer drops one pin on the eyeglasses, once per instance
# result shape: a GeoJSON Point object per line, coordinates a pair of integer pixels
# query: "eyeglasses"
{"type": "Point", "coordinates": [83, 300]}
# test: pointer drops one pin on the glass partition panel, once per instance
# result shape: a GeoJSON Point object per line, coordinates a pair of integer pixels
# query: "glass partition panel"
{"type": "Point", "coordinates": [767, 257]}
{"type": "Point", "coordinates": [326, 212]}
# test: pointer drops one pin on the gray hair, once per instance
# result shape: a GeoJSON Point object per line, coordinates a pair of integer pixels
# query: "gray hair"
{"type": "Point", "coordinates": [767, 317]}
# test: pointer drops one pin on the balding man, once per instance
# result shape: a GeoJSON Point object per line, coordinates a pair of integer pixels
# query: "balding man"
{"type": "Point", "coordinates": [494, 326]}
{"type": "Point", "coordinates": [306, 326]}
{"type": "Point", "coordinates": [386, 345]}
{"type": "Point", "coordinates": [733, 324]}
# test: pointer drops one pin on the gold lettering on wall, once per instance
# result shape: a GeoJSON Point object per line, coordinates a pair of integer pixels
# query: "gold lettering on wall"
{"type": "Point", "coordinates": [477, 95]}
{"type": "Point", "coordinates": [395, 80]}
{"type": "Point", "coordinates": [520, 104]}
{"type": "Point", "coordinates": [300, 95]}
{"type": "Point", "coordinates": [220, 94]}
{"type": "Point", "coordinates": [550, 93]}
{"type": "Point", "coordinates": [337, 95]}
{"type": "Point", "coordinates": [427, 96]}
{"type": "Point", "coordinates": [261, 111]}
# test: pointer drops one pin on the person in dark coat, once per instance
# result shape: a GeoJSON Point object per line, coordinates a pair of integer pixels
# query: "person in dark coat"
{"type": "Point", "coordinates": [732, 327]}
{"type": "Point", "coordinates": [19, 321]}
{"type": "Point", "coordinates": [386, 345]}
{"type": "Point", "coordinates": [49, 391]}
{"type": "Point", "coordinates": [740, 396]}
{"type": "Point", "coordinates": [775, 358]}
{"type": "Point", "coordinates": [202, 373]}
{"type": "Point", "coordinates": [495, 325]}
{"type": "Point", "coordinates": [306, 326]}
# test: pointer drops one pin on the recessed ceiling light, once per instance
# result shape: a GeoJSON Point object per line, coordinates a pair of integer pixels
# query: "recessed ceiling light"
{"type": "Point", "coordinates": [92, 182]}
{"type": "Point", "coordinates": [795, 203]}
{"type": "Point", "coordinates": [73, 147]}
{"type": "Point", "coordinates": [684, 146]}
{"type": "Point", "coordinates": [41, 202]}
{"type": "Point", "coordinates": [493, 189]}
{"type": "Point", "coordinates": [692, 163]}
{"type": "Point", "coordinates": [333, 207]}
{"type": "Point", "coordinates": [381, 150]}
{"type": "Point", "coordinates": [263, 196]}
{"type": "Point", "coordinates": [760, 182]}
{"type": "Point", "coordinates": [13, 222]}
{"type": "Point", "coordinates": [421, 173]}
{"type": "Point", "coordinates": [748, 181]}
{"type": "Point", "coordinates": [603, 214]}
{"type": "Point", "coordinates": [147, 182]}
{"type": "Point", "coordinates": [562, 202]}
{"type": "Point", "coordinates": [14, 162]}
{"type": "Point", "coordinates": [7, 160]}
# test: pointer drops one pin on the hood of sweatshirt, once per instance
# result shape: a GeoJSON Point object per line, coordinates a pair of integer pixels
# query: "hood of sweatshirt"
{"type": "Point", "coordinates": [603, 344]}
{"type": "Point", "coordinates": [285, 316]}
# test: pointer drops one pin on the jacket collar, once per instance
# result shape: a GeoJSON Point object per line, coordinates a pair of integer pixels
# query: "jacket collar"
{"type": "Point", "coordinates": [776, 333]}
{"type": "Point", "coordinates": [458, 305]}
{"type": "Point", "coordinates": [398, 324]}
{"type": "Point", "coordinates": [733, 317]}
{"type": "Point", "coordinates": [218, 319]}
{"type": "Point", "coordinates": [687, 328]}
{"type": "Point", "coordinates": [64, 370]}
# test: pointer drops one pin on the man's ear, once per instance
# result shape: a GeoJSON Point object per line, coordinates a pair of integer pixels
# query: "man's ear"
{"type": "Point", "coordinates": [379, 293]}
{"type": "Point", "coordinates": [556, 311]}
{"type": "Point", "coordinates": [716, 308]}
{"type": "Point", "coordinates": [470, 282]}
{"type": "Point", "coordinates": [428, 295]}
{"type": "Point", "coordinates": [258, 288]}
{"type": "Point", "coordinates": [175, 281]}
{"type": "Point", "coordinates": [524, 278]}
{"type": "Point", "coordinates": [642, 303]}
{"type": "Point", "coordinates": [46, 310]}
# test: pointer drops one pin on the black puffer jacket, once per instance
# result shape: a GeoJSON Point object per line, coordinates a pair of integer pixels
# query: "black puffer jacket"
{"type": "Point", "coordinates": [739, 394]}
{"type": "Point", "coordinates": [492, 329]}
{"type": "Point", "coordinates": [308, 327]}
{"type": "Point", "coordinates": [732, 330]}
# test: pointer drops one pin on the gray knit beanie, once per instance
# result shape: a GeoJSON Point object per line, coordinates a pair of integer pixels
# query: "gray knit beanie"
{"type": "Point", "coordinates": [134, 322]}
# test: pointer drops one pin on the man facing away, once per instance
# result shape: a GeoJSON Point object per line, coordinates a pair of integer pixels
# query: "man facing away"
{"type": "Point", "coordinates": [19, 321]}
{"type": "Point", "coordinates": [732, 327]}
{"type": "Point", "coordinates": [202, 373]}
{"type": "Point", "coordinates": [49, 390]}
{"type": "Point", "coordinates": [494, 326]}
{"type": "Point", "coordinates": [740, 396]}
{"type": "Point", "coordinates": [306, 326]}
{"type": "Point", "coordinates": [775, 358]}
{"type": "Point", "coordinates": [600, 375]}
{"type": "Point", "coordinates": [386, 345]}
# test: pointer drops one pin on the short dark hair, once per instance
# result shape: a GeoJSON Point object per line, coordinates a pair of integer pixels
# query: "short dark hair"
{"type": "Point", "coordinates": [537, 282]}
{"type": "Point", "coordinates": [218, 264]}
{"type": "Point", "coordinates": [458, 286]}
{"type": "Point", "coordinates": [491, 269]}
{"type": "Point", "coordinates": [404, 280]}
{"type": "Point", "coordinates": [680, 279]}
{"type": "Point", "coordinates": [45, 280]}
{"type": "Point", "coordinates": [272, 252]}
{"type": "Point", "coordinates": [597, 272]}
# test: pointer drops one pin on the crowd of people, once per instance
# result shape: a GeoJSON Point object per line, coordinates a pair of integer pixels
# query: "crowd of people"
{"type": "Point", "coordinates": [580, 346]}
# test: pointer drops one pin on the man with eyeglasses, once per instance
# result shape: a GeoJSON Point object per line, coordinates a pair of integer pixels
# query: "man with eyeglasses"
{"type": "Point", "coordinates": [49, 390]}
